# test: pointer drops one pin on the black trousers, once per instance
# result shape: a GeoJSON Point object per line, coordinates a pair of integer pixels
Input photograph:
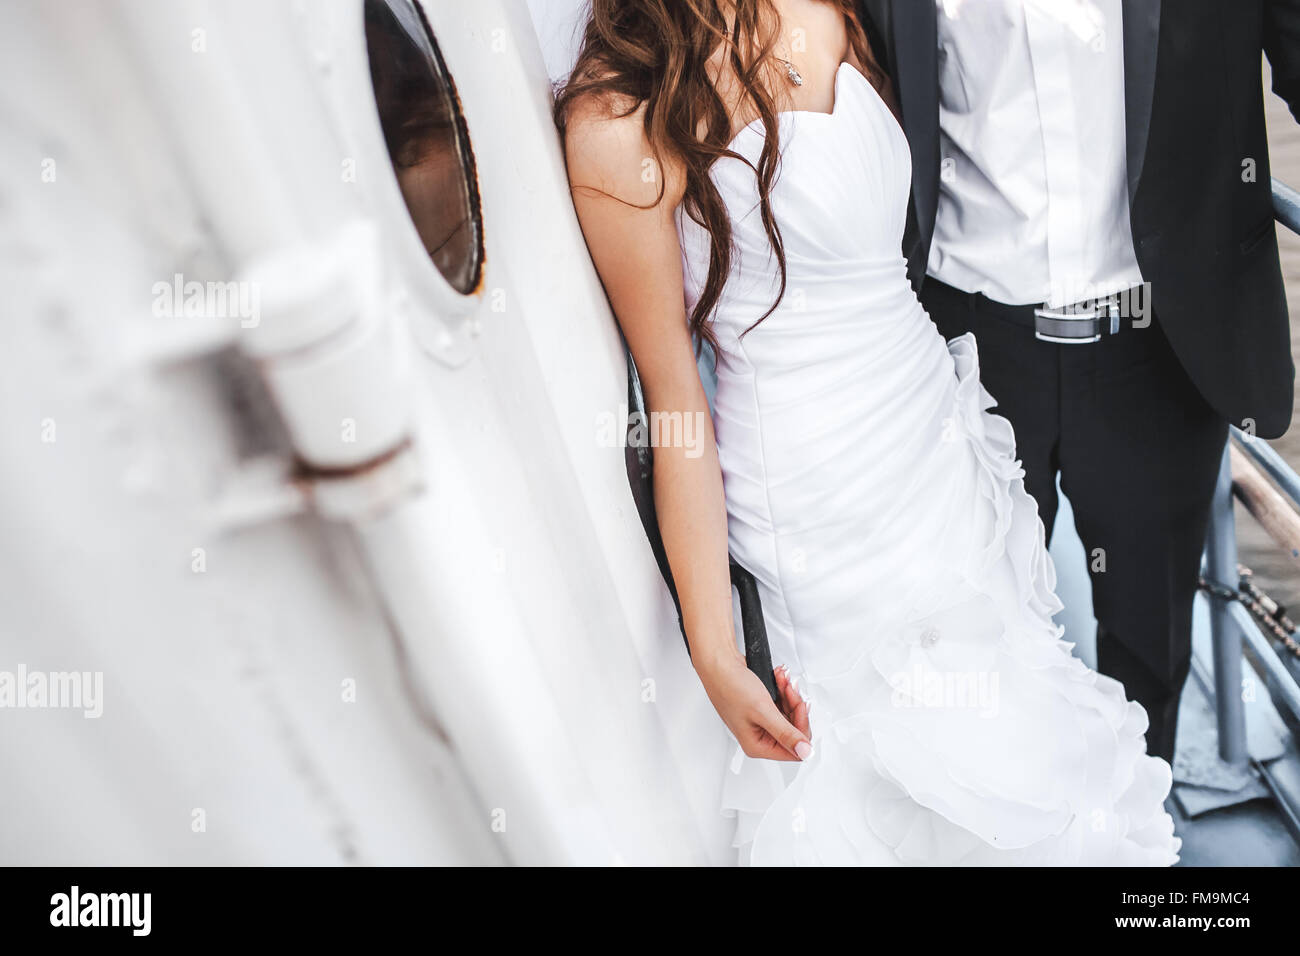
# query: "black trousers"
{"type": "Point", "coordinates": [1137, 450]}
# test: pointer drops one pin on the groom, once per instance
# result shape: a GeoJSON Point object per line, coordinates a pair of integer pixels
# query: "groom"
{"type": "Point", "coordinates": [1091, 198]}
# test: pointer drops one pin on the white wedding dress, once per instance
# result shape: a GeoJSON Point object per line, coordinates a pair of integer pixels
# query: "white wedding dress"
{"type": "Point", "coordinates": [902, 567]}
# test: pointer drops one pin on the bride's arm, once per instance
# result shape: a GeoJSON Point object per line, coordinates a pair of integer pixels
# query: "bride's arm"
{"type": "Point", "coordinates": [633, 242]}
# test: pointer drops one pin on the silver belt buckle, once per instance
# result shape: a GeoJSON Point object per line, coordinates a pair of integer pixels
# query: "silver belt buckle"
{"type": "Point", "coordinates": [1050, 324]}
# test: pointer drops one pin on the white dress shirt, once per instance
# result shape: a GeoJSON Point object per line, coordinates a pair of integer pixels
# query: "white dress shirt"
{"type": "Point", "coordinates": [1033, 197]}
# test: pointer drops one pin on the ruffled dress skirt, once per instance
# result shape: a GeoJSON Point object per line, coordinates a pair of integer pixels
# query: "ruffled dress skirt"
{"type": "Point", "coordinates": [951, 724]}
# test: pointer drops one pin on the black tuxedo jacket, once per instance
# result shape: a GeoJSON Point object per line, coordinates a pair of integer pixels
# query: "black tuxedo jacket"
{"type": "Point", "coordinates": [1198, 179]}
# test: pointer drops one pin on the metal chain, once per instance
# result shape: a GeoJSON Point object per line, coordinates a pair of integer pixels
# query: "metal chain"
{"type": "Point", "coordinates": [1270, 615]}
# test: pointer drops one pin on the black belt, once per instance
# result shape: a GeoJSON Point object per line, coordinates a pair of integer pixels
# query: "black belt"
{"type": "Point", "coordinates": [1081, 323]}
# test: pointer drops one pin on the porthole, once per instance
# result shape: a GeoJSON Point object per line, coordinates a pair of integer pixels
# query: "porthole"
{"type": "Point", "coordinates": [427, 139]}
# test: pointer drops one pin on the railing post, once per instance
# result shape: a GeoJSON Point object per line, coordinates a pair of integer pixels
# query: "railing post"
{"type": "Point", "coordinates": [1221, 568]}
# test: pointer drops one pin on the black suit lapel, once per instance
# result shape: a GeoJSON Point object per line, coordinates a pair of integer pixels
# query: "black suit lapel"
{"type": "Point", "coordinates": [1141, 40]}
{"type": "Point", "coordinates": [911, 30]}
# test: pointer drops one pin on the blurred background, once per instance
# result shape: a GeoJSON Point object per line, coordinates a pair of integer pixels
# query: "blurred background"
{"type": "Point", "coordinates": [1277, 571]}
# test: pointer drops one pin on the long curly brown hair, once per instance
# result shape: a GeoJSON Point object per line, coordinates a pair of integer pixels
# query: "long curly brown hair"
{"type": "Point", "coordinates": [655, 52]}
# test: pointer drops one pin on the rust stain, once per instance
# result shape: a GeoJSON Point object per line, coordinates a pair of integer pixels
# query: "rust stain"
{"type": "Point", "coordinates": [305, 472]}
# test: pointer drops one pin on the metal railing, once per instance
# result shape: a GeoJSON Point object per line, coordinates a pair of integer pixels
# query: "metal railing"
{"type": "Point", "coordinates": [1225, 631]}
{"type": "Point", "coordinates": [1233, 630]}
{"type": "Point", "coordinates": [1286, 206]}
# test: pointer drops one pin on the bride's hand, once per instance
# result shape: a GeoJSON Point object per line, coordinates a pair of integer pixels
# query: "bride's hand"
{"type": "Point", "coordinates": [759, 726]}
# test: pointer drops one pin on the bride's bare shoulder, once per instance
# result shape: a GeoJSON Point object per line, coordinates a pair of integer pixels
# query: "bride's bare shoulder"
{"type": "Point", "coordinates": [607, 151]}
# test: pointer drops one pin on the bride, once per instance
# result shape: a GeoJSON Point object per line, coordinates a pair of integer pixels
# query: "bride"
{"type": "Point", "coordinates": [742, 180]}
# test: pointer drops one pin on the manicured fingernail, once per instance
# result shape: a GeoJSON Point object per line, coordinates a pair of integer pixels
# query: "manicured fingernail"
{"type": "Point", "coordinates": [802, 750]}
